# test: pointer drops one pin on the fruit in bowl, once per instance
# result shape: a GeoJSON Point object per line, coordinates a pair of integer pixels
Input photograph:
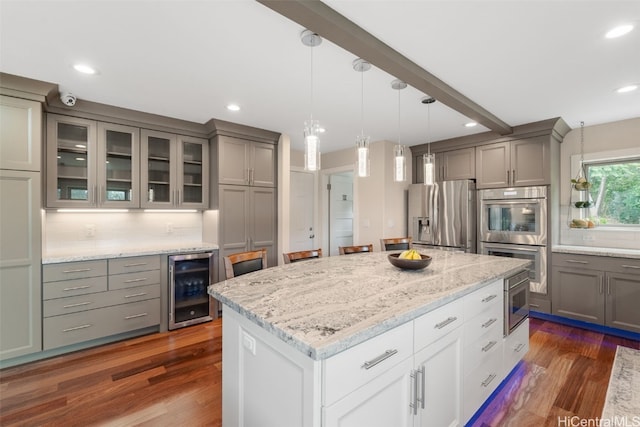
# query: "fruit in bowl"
{"type": "Point", "coordinates": [581, 184]}
{"type": "Point", "coordinates": [410, 254]}
{"type": "Point", "coordinates": [409, 259]}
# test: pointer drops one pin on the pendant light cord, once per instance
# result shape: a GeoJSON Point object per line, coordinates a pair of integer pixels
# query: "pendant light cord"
{"type": "Point", "coordinates": [398, 116]}
{"type": "Point", "coordinates": [428, 129]}
{"type": "Point", "coordinates": [311, 87]}
{"type": "Point", "coordinates": [362, 103]}
{"type": "Point", "coordinates": [582, 171]}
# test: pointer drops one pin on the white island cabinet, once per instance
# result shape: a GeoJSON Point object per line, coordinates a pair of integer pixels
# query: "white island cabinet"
{"type": "Point", "coordinates": [353, 341]}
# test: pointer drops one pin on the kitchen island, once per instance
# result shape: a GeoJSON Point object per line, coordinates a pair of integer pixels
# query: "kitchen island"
{"type": "Point", "coordinates": [352, 340]}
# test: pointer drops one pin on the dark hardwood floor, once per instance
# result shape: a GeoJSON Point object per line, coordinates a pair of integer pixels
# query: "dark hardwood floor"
{"type": "Point", "coordinates": [174, 379]}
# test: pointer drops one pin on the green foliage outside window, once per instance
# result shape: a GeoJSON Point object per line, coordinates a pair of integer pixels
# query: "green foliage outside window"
{"type": "Point", "coordinates": [616, 191]}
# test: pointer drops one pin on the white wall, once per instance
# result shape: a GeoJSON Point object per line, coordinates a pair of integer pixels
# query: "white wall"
{"type": "Point", "coordinates": [618, 137]}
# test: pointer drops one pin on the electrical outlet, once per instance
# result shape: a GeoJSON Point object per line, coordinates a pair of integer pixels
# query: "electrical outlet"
{"type": "Point", "coordinates": [90, 230]}
{"type": "Point", "coordinates": [169, 228]}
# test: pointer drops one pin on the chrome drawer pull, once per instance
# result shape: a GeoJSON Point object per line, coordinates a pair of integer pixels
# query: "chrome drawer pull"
{"type": "Point", "coordinates": [77, 327]}
{"type": "Point", "coordinates": [577, 262]}
{"type": "Point", "coordinates": [489, 346]}
{"type": "Point", "coordinates": [137, 264]}
{"type": "Point", "coordinates": [519, 347]}
{"type": "Point", "coordinates": [136, 280]}
{"type": "Point", "coordinates": [489, 298]}
{"type": "Point", "coordinates": [489, 322]}
{"type": "Point", "coordinates": [384, 356]}
{"type": "Point", "coordinates": [76, 288]}
{"type": "Point", "coordinates": [136, 315]}
{"type": "Point", "coordinates": [79, 270]}
{"type": "Point", "coordinates": [77, 305]}
{"type": "Point", "coordinates": [631, 266]}
{"type": "Point", "coordinates": [135, 295]}
{"type": "Point", "coordinates": [445, 322]}
{"type": "Point", "coordinates": [488, 380]}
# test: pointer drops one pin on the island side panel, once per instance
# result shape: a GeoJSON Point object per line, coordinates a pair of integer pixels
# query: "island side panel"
{"type": "Point", "coordinates": [265, 382]}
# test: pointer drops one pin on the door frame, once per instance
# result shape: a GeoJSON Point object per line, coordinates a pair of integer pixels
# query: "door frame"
{"type": "Point", "coordinates": [316, 196]}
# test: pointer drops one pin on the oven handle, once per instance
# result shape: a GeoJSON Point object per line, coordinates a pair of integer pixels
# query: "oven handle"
{"type": "Point", "coordinates": [511, 248]}
{"type": "Point", "coordinates": [486, 202]}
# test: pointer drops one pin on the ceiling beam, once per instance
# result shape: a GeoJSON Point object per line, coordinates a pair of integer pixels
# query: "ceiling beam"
{"type": "Point", "coordinates": [326, 22]}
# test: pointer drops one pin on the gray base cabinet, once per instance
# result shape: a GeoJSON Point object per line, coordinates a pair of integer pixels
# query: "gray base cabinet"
{"type": "Point", "coordinates": [20, 227]}
{"type": "Point", "coordinates": [596, 289]}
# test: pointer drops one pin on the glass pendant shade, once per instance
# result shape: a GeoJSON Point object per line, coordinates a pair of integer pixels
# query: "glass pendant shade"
{"type": "Point", "coordinates": [399, 164]}
{"type": "Point", "coordinates": [362, 156]}
{"type": "Point", "coordinates": [311, 145]}
{"type": "Point", "coordinates": [429, 170]}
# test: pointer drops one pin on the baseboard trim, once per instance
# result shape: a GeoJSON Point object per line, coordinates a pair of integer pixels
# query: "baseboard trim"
{"type": "Point", "coordinates": [586, 325]}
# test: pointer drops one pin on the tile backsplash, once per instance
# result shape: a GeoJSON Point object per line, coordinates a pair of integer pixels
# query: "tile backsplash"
{"type": "Point", "coordinates": [91, 231]}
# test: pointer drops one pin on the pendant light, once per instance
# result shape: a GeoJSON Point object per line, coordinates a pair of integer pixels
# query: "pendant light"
{"type": "Point", "coordinates": [399, 151]}
{"type": "Point", "coordinates": [428, 159]}
{"type": "Point", "coordinates": [311, 127]}
{"type": "Point", "coordinates": [362, 142]}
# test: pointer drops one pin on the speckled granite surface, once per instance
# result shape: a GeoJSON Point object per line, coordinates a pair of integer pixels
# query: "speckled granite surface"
{"type": "Point", "coordinates": [587, 250]}
{"type": "Point", "coordinates": [326, 305]}
{"type": "Point", "coordinates": [623, 393]}
{"type": "Point", "coordinates": [107, 253]}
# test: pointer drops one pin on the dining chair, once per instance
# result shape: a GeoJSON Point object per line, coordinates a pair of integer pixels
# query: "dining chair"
{"type": "Point", "coordinates": [245, 262]}
{"type": "Point", "coordinates": [346, 250]}
{"type": "Point", "coordinates": [396, 244]}
{"type": "Point", "coordinates": [301, 255]}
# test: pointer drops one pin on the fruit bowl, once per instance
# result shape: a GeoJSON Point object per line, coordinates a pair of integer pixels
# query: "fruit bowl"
{"type": "Point", "coordinates": [409, 264]}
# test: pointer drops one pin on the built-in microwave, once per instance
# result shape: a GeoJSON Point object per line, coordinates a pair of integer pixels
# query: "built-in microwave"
{"type": "Point", "coordinates": [537, 271]}
{"type": "Point", "coordinates": [516, 301]}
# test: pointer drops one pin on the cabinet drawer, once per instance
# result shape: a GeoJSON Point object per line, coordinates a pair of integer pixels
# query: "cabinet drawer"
{"type": "Point", "coordinates": [73, 270]}
{"type": "Point", "coordinates": [69, 288]}
{"type": "Point", "coordinates": [482, 348]}
{"type": "Point", "coordinates": [516, 346]}
{"type": "Point", "coordinates": [624, 265]}
{"type": "Point", "coordinates": [480, 383]}
{"type": "Point", "coordinates": [578, 261]}
{"type": "Point", "coordinates": [358, 365]}
{"type": "Point", "coordinates": [129, 280]}
{"type": "Point", "coordinates": [484, 299]}
{"type": "Point", "coordinates": [61, 306]}
{"type": "Point", "coordinates": [492, 319]}
{"type": "Point", "coordinates": [73, 328]}
{"type": "Point", "coordinates": [438, 323]}
{"type": "Point", "coordinates": [133, 264]}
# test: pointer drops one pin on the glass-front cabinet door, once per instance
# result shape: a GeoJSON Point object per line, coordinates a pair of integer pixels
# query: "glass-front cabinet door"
{"type": "Point", "coordinates": [158, 176]}
{"type": "Point", "coordinates": [71, 159]}
{"type": "Point", "coordinates": [193, 172]}
{"type": "Point", "coordinates": [118, 166]}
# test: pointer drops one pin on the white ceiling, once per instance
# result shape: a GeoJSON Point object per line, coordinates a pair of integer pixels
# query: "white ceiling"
{"type": "Point", "coordinates": [523, 61]}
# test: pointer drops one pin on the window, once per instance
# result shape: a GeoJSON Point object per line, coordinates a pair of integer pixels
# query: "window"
{"type": "Point", "coordinates": [615, 190]}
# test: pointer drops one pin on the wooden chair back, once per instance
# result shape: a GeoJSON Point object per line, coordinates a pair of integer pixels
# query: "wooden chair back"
{"type": "Point", "coordinates": [346, 250]}
{"type": "Point", "coordinates": [396, 244]}
{"type": "Point", "coordinates": [301, 255]}
{"type": "Point", "coordinates": [245, 262]}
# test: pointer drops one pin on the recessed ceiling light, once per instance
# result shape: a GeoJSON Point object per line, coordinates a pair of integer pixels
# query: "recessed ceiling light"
{"type": "Point", "coordinates": [233, 107]}
{"type": "Point", "coordinates": [625, 89]}
{"type": "Point", "coordinates": [321, 130]}
{"type": "Point", "coordinates": [84, 69]}
{"type": "Point", "coordinates": [470, 124]}
{"type": "Point", "coordinates": [618, 31]}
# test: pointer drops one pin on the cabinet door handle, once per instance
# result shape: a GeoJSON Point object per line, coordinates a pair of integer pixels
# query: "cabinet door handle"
{"type": "Point", "coordinates": [445, 322]}
{"type": "Point", "coordinates": [487, 381]}
{"type": "Point", "coordinates": [75, 288]}
{"type": "Point", "coordinates": [136, 295]}
{"type": "Point", "coordinates": [423, 381]}
{"type": "Point", "coordinates": [78, 270]}
{"type": "Point", "coordinates": [88, 325]}
{"type": "Point", "coordinates": [77, 304]}
{"type": "Point", "coordinates": [489, 298]}
{"type": "Point", "coordinates": [378, 359]}
{"type": "Point", "coordinates": [631, 266]}
{"type": "Point", "coordinates": [136, 316]}
{"type": "Point", "coordinates": [489, 346]}
{"type": "Point", "coordinates": [608, 285]}
{"type": "Point", "coordinates": [141, 279]}
{"type": "Point", "coordinates": [513, 176]}
{"type": "Point", "coordinates": [601, 284]}
{"type": "Point", "coordinates": [519, 348]}
{"type": "Point", "coordinates": [574, 261]}
{"type": "Point", "coordinates": [489, 322]}
{"type": "Point", "coordinates": [508, 178]}
{"type": "Point", "coordinates": [414, 404]}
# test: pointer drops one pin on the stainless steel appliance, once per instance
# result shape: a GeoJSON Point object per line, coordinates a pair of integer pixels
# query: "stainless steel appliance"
{"type": "Point", "coordinates": [513, 223]}
{"type": "Point", "coordinates": [189, 277]}
{"type": "Point", "coordinates": [443, 215]}
{"type": "Point", "coordinates": [516, 301]}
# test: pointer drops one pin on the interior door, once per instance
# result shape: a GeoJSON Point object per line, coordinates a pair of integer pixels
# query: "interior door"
{"type": "Point", "coordinates": [340, 211]}
{"type": "Point", "coordinates": [302, 208]}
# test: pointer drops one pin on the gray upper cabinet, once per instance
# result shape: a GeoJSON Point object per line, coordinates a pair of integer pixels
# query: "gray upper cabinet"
{"type": "Point", "coordinates": [174, 170]}
{"type": "Point", "coordinates": [517, 163]}
{"type": "Point", "coordinates": [244, 162]}
{"type": "Point", "coordinates": [20, 228]}
{"type": "Point", "coordinates": [456, 164]}
{"type": "Point", "coordinates": [91, 164]}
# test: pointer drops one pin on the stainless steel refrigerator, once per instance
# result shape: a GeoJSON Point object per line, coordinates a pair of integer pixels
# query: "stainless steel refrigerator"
{"type": "Point", "coordinates": [443, 215]}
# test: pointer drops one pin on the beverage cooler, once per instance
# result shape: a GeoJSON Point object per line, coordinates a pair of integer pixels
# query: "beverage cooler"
{"type": "Point", "coordinates": [189, 277]}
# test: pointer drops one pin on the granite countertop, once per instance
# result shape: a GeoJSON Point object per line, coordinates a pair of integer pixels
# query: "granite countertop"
{"type": "Point", "coordinates": [589, 250]}
{"type": "Point", "coordinates": [55, 257]}
{"type": "Point", "coordinates": [326, 305]}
